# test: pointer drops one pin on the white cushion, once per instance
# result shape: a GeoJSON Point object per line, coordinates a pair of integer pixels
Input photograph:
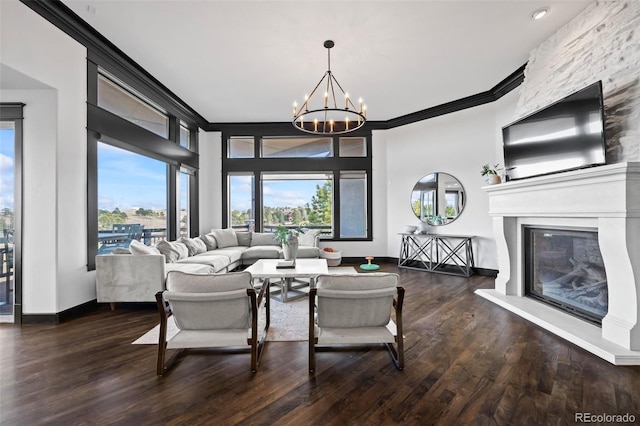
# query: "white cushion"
{"type": "Point", "coordinates": [173, 251]}
{"type": "Point", "coordinates": [225, 237]}
{"type": "Point", "coordinates": [209, 241]}
{"type": "Point", "coordinates": [137, 248]}
{"type": "Point", "coordinates": [264, 239]}
{"type": "Point", "coordinates": [308, 237]}
{"type": "Point", "coordinates": [194, 245]}
{"type": "Point", "coordinates": [244, 238]}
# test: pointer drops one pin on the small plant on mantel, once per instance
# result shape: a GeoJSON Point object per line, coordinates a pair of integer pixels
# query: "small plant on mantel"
{"type": "Point", "coordinates": [491, 172]}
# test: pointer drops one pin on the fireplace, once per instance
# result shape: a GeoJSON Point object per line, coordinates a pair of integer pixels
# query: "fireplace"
{"type": "Point", "coordinates": [567, 215]}
{"type": "Point", "coordinates": [564, 269]}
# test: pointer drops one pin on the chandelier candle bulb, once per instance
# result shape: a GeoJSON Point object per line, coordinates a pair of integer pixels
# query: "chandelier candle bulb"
{"type": "Point", "coordinates": [331, 125]}
{"type": "Point", "coordinates": [295, 108]}
{"type": "Point", "coordinates": [346, 123]}
{"type": "Point", "coordinates": [306, 102]}
{"type": "Point", "coordinates": [346, 101]}
{"type": "Point", "coordinates": [315, 125]}
{"type": "Point", "coordinates": [326, 99]}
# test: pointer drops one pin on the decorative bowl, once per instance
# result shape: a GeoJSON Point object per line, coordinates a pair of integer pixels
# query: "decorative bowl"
{"type": "Point", "coordinates": [410, 229]}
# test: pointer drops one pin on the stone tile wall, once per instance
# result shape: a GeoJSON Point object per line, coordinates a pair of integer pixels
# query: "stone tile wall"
{"type": "Point", "coordinates": [602, 43]}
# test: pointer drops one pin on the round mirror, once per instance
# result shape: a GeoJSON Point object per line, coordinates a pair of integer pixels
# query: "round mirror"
{"type": "Point", "coordinates": [437, 199]}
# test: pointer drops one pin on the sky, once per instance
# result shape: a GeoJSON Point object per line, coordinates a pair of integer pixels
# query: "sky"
{"type": "Point", "coordinates": [276, 193]}
{"type": "Point", "coordinates": [6, 168]}
{"type": "Point", "coordinates": [127, 180]}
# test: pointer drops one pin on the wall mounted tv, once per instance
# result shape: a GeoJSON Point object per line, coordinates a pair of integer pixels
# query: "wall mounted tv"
{"type": "Point", "coordinates": [566, 135]}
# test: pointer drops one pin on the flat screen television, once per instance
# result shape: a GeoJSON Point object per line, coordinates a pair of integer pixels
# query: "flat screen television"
{"type": "Point", "coordinates": [566, 135]}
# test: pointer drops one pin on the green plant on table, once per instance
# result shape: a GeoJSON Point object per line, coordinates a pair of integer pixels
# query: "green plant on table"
{"type": "Point", "coordinates": [282, 234]}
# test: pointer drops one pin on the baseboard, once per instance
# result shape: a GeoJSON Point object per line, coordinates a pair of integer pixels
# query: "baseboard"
{"type": "Point", "coordinates": [361, 259]}
{"type": "Point", "coordinates": [486, 272]}
{"type": "Point", "coordinates": [477, 271]}
{"type": "Point", "coordinates": [59, 317]}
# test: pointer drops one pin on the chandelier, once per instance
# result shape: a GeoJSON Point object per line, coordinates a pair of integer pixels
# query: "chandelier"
{"type": "Point", "coordinates": [326, 116]}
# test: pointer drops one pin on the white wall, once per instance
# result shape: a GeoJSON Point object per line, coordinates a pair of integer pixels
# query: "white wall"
{"type": "Point", "coordinates": [55, 213]}
{"type": "Point", "coordinates": [457, 144]}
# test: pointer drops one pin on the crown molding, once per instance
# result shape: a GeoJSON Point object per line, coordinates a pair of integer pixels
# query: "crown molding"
{"type": "Point", "coordinates": [496, 92]}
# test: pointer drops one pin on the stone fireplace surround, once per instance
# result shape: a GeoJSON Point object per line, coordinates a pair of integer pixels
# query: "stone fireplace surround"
{"type": "Point", "coordinates": [604, 198]}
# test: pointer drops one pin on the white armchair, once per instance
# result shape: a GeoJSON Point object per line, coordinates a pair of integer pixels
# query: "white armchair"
{"type": "Point", "coordinates": [356, 310]}
{"type": "Point", "coordinates": [212, 310]}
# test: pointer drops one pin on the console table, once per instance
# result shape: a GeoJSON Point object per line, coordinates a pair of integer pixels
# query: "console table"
{"type": "Point", "coordinates": [445, 254]}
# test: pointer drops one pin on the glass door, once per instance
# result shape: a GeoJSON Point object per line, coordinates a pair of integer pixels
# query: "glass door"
{"type": "Point", "coordinates": [7, 216]}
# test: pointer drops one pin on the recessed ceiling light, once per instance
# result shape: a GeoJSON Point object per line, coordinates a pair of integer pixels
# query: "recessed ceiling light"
{"type": "Point", "coordinates": [540, 13]}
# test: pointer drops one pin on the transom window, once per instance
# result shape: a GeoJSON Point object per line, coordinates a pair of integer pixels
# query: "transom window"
{"type": "Point", "coordinates": [116, 99]}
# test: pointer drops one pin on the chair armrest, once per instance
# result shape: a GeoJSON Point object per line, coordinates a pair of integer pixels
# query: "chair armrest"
{"type": "Point", "coordinates": [397, 305]}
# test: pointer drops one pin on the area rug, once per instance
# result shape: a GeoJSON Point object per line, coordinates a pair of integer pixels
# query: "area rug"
{"type": "Point", "coordinates": [289, 321]}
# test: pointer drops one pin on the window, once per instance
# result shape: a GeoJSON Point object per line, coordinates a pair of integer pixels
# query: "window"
{"type": "Point", "coordinates": [353, 147]}
{"type": "Point", "coordinates": [11, 178]}
{"type": "Point", "coordinates": [185, 136]}
{"type": "Point", "coordinates": [183, 205]}
{"type": "Point", "coordinates": [7, 215]}
{"type": "Point", "coordinates": [121, 203]}
{"type": "Point", "coordinates": [353, 202]}
{"type": "Point", "coordinates": [296, 147]}
{"type": "Point", "coordinates": [142, 162]}
{"type": "Point", "coordinates": [298, 181]}
{"type": "Point", "coordinates": [115, 98]}
{"type": "Point", "coordinates": [241, 147]}
{"type": "Point", "coordinates": [241, 201]}
{"type": "Point", "coordinates": [299, 200]}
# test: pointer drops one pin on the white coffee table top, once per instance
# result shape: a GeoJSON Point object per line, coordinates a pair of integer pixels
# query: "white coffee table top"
{"type": "Point", "coordinates": [305, 268]}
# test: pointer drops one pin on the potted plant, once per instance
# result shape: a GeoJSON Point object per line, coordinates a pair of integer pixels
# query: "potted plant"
{"type": "Point", "coordinates": [492, 173]}
{"type": "Point", "coordinates": [288, 237]}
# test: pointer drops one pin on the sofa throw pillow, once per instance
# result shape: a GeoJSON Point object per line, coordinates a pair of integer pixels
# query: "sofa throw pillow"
{"type": "Point", "coordinates": [121, 250]}
{"type": "Point", "coordinates": [173, 251]}
{"type": "Point", "coordinates": [263, 239]}
{"type": "Point", "coordinates": [244, 238]}
{"type": "Point", "coordinates": [210, 241]}
{"type": "Point", "coordinates": [308, 237]}
{"type": "Point", "coordinates": [138, 248]}
{"type": "Point", "coordinates": [225, 237]}
{"type": "Point", "coordinates": [194, 245]}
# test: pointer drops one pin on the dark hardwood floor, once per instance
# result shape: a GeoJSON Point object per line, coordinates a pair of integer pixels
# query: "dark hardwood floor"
{"type": "Point", "coordinates": [467, 362]}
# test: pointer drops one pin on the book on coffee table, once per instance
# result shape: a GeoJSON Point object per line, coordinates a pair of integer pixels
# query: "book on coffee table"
{"type": "Point", "coordinates": [286, 264]}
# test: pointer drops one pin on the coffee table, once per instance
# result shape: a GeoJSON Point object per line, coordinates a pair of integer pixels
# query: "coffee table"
{"type": "Point", "coordinates": [305, 268]}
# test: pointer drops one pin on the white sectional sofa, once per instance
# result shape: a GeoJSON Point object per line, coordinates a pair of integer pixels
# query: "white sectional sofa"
{"type": "Point", "coordinates": [137, 274]}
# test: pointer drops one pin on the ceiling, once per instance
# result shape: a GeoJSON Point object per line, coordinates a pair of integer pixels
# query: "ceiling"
{"type": "Point", "coordinates": [247, 61]}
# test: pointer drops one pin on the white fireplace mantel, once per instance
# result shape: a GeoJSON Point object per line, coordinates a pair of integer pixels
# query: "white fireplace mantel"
{"type": "Point", "coordinates": [604, 198]}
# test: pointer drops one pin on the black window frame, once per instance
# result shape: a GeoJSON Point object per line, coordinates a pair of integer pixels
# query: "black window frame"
{"type": "Point", "coordinates": [258, 165]}
{"type": "Point", "coordinates": [112, 129]}
{"type": "Point", "coordinates": [13, 111]}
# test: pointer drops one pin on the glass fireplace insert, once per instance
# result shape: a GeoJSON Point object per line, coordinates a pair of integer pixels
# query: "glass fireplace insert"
{"type": "Point", "coordinates": [564, 268]}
